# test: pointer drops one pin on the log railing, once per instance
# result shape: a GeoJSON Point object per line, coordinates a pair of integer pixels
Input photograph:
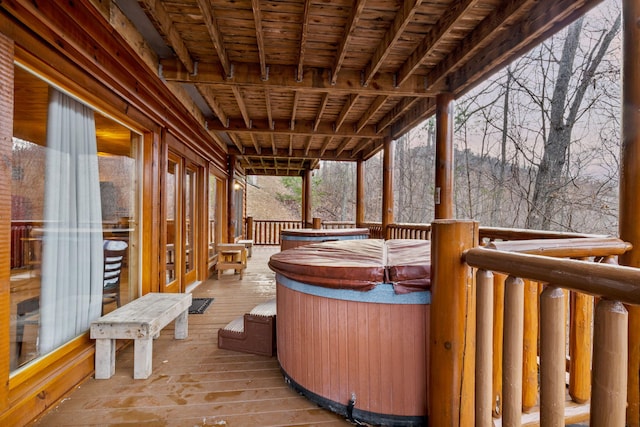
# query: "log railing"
{"type": "Point", "coordinates": [514, 295]}
{"type": "Point", "coordinates": [267, 232]}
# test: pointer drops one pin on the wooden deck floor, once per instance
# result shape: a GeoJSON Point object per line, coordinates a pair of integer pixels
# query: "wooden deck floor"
{"type": "Point", "coordinates": [193, 382]}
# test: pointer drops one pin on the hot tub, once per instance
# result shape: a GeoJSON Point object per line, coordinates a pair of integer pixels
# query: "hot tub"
{"type": "Point", "coordinates": [299, 237]}
{"type": "Point", "coordinates": [352, 328]}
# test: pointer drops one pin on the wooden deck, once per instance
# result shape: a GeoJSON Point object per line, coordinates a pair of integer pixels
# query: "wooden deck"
{"type": "Point", "coordinates": [194, 383]}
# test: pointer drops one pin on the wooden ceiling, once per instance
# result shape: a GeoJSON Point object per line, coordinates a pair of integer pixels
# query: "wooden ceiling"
{"type": "Point", "coordinates": [286, 83]}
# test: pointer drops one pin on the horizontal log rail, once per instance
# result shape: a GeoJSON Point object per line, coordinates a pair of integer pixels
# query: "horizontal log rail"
{"type": "Point", "coordinates": [518, 266]}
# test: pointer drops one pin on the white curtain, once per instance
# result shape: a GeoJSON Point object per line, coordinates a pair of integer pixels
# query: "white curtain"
{"type": "Point", "coordinates": [71, 295]}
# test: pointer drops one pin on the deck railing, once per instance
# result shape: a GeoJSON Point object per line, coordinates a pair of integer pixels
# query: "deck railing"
{"type": "Point", "coordinates": [507, 383]}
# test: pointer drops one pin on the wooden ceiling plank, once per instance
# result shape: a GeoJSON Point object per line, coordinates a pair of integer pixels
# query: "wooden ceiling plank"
{"type": "Point", "coordinates": [210, 22]}
{"type": "Point", "coordinates": [348, 106]}
{"type": "Point", "coordinates": [323, 106]}
{"type": "Point", "coordinates": [163, 23]}
{"type": "Point", "coordinates": [243, 107]}
{"type": "Point", "coordinates": [371, 111]}
{"type": "Point", "coordinates": [315, 80]}
{"type": "Point", "coordinates": [431, 40]}
{"type": "Point", "coordinates": [303, 40]}
{"type": "Point", "coordinates": [257, 18]}
{"type": "Point", "coordinates": [354, 17]}
{"type": "Point", "coordinates": [249, 153]}
{"type": "Point", "coordinates": [402, 19]}
{"type": "Point", "coordinates": [282, 127]}
{"type": "Point", "coordinates": [490, 28]}
{"type": "Point", "coordinates": [209, 96]}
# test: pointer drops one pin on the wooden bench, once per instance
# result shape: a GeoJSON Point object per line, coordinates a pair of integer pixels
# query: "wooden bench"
{"type": "Point", "coordinates": [141, 320]}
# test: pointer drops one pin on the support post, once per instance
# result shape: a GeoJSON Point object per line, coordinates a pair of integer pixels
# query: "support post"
{"type": "Point", "coordinates": [387, 185]}
{"type": "Point", "coordinates": [484, 348]}
{"type": "Point", "coordinates": [443, 197]}
{"type": "Point", "coordinates": [231, 200]}
{"type": "Point", "coordinates": [629, 208]}
{"type": "Point", "coordinates": [317, 223]}
{"type": "Point", "coordinates": [452, 326]}
{"type": "Point", "coordinates": [249, 235]}
{"type": "Point", "coordinates": [360, 199]}
{"type": "Point", "coordinates": [552, 357]}
{"type": "Point", "coordinates": [306, 198]}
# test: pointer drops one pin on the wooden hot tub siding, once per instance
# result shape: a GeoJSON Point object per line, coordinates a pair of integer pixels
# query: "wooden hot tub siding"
{"type": "Point", "coordinates": [333, 348]}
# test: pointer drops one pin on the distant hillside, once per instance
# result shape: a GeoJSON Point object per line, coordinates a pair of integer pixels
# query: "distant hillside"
{"type": "Point", "coordinates": [263, 203]}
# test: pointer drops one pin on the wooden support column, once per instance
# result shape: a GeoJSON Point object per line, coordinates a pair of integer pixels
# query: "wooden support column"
{"type": "Point", "coordinates": [629, 216]}
{"type": "Point", "coordinates": [387, 185]}
{"type": "Point", "coordinates": [306, 199]}
{"type": "Point", "coordinates": [452, 327]}
{"type": "Point", "coordinates": [360, 200]}
{"type": "Point", "coordinates": [231, 200]}
{"type": "Point", "coordinates": [249, 228]}
{"type": "Point", "coordinates": [443, 197]}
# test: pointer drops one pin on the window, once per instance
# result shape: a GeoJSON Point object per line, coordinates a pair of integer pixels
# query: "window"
{"type": "Point", "coordinates": [74, 194]}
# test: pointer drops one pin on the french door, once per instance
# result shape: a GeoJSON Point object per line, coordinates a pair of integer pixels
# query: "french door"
{"type": "Point", "coordinates": [182, 184]}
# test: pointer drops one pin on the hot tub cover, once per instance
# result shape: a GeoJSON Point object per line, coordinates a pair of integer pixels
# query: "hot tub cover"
{"type": "Point", "coordinates": [311, 232]}
{"type": "Point", "coordinates": [358, 264]}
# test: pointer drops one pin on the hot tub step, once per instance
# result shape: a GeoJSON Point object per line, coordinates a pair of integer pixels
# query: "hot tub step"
{"type": "Point", "coordinates": [253, 332]}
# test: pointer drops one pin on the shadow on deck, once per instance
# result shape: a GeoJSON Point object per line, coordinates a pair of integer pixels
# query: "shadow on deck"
{"type": "Point", "coordinates": [193, 382]}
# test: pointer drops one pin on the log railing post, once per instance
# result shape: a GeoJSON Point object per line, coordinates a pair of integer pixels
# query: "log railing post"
{"type": "Point", "coordinates": [581, 316]}
{"type": "Point", "coordinates": [530, 347]}
{"type": "Point", "coordinates": [512, 358]}
{"type": "Point", "coordinates": [484, 348]}
{"type": "Point", "coordinates": [452, 325]}
{"type": "Point", "coordinates": [610, 358]}
{"type": "Point", "coordinates": [250, 228]}
{"type": "Point", "coordinates": [552, 357]}
{"type": "Point", "coordinates": [498, 329]}
{"type": "Point", "coordinates": [317, 223]}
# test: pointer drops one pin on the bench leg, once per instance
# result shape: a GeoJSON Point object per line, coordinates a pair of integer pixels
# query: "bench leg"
{"type": "Point", "coordinates": [182, 326]}
{"type": "Point", "coordinates": [105, 358]}
{"type": "Point", "coordinates": [142, 358]}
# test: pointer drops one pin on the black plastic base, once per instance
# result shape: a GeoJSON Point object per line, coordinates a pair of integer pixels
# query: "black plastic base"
{"type": "Point", "coordinates": [352, 413]}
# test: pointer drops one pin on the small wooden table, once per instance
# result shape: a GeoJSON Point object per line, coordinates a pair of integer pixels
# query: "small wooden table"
{"type": "Point", "coordinates": [231, 256]}
{"type": "Point", "coordinates": [141, 320]}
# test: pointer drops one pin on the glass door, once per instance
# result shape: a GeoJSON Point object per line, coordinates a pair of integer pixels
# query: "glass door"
{"type": "Point", "coordinates": [173, 251]}
{"type": "Point", "coordinates": [190, 223]}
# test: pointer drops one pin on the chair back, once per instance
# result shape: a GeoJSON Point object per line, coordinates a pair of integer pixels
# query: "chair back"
{"type": "Point", "coordinates": [114, 253]}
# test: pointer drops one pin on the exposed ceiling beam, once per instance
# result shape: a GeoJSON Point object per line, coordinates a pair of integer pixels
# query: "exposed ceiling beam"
{"type": "Point", "coordinates": [419, 112]}
{"type": "Point", "coordinates": [354, 17]}
{"type": "Point", "coordinates": [361, 146]}
{"type": "Point", "coordinates": [209, 96]}
{"type": "Point", "coordinates": [256, 145]}
{"type": "Point", "coordinates": [294, 110]}
{"type": "Point", "coordinates": [237, 143]}
{"type": "Point", "coordinates": [518, 39]}
{"type": "Point", "coordinates": [267, 98]}
{"type": "Point", "coordinates": [396, 112]}
{"type": "Point", "coordinates": [243, 107]}
{"type": "Point", "coordinates": [323, 105]}
{"type": "Point", "coordinates": [393, 34]}
{"type": "Point", "coordinates": [492, 26]}
{"type": "Point", "coordinates": [283, 77]}
{"type": "Point", "coordinates": [343, 146]}
{"type": "Point", "coordinates": [371, 111]}
{"type": "Point", "coordinates": [437, 34]}
{"type": "Point", "coordinates": [257, 18]}
{"type": "Point", "coordinates": [307, 146]}
{"type": "Point", "coordinates": [325, 145]}
{"type": "Point", "coordinates": [348, 106]}
{"type": "Point", "coordinates": [274, 149]}
{"type": "Point", "coordinates": [303, 41]}
{"type": "Point", "coordinates": [298, 153]}
{"type": "Point", "coordinates": [281, 127]}
{"type": "Point", "coordinates": [210, 22]}
{"type": "Point", "coordinates": [163, 23]}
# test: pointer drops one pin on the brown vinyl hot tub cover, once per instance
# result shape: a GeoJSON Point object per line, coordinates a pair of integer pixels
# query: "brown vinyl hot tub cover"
{"type": "Point", "coordinates": [358, 264]}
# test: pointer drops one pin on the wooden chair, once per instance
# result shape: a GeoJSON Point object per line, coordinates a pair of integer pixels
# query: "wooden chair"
{"type": "Point", "coordinates": [114, 255]}
{"type": "Point", "coordinates": [231, 256]}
